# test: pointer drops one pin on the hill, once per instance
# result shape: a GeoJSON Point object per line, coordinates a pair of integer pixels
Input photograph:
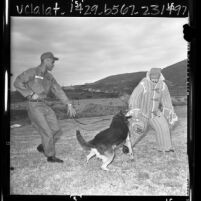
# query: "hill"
{"type": "Point", "coordinates": [115, 85]}
{"type": "Point", "coordinates": [175, 77]}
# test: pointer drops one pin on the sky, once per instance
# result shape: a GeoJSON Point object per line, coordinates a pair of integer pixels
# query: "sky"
{"type": "Point", "coordinates": [92, 48]}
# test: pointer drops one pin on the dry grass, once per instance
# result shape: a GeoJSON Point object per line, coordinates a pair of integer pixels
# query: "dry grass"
{"type": "Point", "coordinates": [151, 174]}
{"type": "Point", "coordinates": [84, 108]}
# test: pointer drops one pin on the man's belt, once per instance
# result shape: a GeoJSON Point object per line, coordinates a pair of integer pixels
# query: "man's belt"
{"type": "Point", "coordinates": [36, 100]}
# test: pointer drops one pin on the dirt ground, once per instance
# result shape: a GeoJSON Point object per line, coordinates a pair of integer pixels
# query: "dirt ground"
{"type": "Point", "coordinates": [153, 173]}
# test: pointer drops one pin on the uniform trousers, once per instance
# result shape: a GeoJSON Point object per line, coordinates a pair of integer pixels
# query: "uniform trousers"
{"type": "Point", "coordinates": [44, 119]}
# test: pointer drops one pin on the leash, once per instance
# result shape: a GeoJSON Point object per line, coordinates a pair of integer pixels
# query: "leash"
{"type": "Point", "coordinates": [81, 123]}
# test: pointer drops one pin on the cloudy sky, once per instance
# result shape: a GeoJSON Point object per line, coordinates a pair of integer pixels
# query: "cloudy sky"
{"type": "Point", "coordinates": [93, 48]}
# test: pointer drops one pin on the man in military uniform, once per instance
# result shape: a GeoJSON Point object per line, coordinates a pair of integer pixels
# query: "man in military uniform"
{"type": "Point", "coordinates": [150, 104]}
{"type": "Point", "coordinates": [34, 84]}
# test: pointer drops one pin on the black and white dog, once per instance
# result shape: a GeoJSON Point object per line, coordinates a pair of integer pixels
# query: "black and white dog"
{"type": "Point", "coordinates": [104, 143]}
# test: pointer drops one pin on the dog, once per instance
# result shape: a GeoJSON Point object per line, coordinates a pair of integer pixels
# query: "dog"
{"type": "Point", "coordinates": [103, 145]}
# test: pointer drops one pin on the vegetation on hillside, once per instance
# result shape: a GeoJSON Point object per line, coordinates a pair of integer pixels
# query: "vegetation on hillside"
{"type": "Point", "coordinates": [116, 85]}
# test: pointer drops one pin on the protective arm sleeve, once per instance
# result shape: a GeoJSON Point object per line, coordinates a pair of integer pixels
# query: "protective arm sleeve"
{"type": "Point", "coordinates": [166, 99]}
{"type": "Point", "coordinates": [21, 81]}
{"type": "Point", "coordinates": [168, 109]}
{"type": "Point", "coordinates": [58, 92]}
{"type": "Point", "coordinates": [136, 97]}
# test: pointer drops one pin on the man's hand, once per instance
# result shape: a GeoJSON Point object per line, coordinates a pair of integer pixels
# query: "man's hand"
{"type": "Point", "coordinates": [134, 113]}
{"type": "Point", "coordinates": [34, 96]}
{"type": "Point", "coordinates": [70, 110]}
{"type": "Point", "coordinates": [173, 119]}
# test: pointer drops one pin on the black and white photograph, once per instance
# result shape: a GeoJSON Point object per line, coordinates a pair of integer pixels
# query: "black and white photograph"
{"type": "Point", "coordinates": [98, 106]}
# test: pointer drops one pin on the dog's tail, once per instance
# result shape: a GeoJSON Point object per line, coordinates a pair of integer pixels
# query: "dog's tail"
{"type": "Point", "coordinates": [85, 145]}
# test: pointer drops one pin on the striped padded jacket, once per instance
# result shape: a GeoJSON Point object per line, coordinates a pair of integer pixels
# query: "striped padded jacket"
{"type": "Point", "coordinates": [151, 98]}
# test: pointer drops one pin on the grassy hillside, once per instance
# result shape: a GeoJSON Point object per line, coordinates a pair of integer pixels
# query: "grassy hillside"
{"type": "Point", "coordinates": [176, 78]}
{"type": "Point", "coordinates": [113, 86]}
{"type": "Point", "coordinates": [119, 83]}
{"type": "Point", "coordinates": [175, 75]}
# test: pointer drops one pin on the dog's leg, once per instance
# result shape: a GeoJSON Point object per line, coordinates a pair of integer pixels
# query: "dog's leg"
{"type": "Point", "coordinates": [106, 161]}
{"type": "Point", "coordinates": [128, 144]}
{"type": "Point", "coordinates": [90, 155]}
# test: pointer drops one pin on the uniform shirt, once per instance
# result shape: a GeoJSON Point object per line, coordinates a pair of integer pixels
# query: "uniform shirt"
{"type": "Point", "coordinates": [34, 80]}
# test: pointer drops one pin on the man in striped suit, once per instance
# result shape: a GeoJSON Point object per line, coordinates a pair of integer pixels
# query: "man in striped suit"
{"type": "Point", "coordinates": [150, 104]}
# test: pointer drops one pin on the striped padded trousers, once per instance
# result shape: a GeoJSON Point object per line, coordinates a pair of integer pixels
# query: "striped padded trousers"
{"type": "Point", "coordinates": [162, 131]}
